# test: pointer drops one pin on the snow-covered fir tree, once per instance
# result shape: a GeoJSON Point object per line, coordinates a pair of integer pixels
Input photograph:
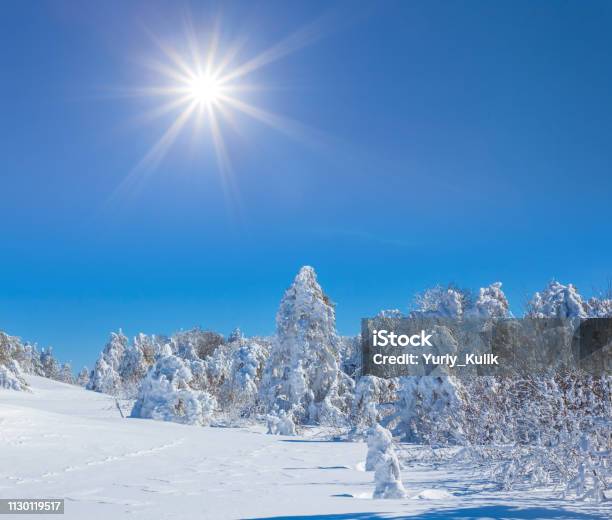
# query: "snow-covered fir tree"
{"type": "Point", "coordinates": [65, 374]}
{"type": "Point", "coordinates": [382, 459]}
{"type": "Point", "coordinates": [51, 368]}
{"type": "Point", "coordinates": [303, 375]}
{"type": "Point", "coordinates": [105, 377]}
{"type": "Point", "coordinates": [18, 358]}
{"type": "Point", "coordinates": [83, 377]}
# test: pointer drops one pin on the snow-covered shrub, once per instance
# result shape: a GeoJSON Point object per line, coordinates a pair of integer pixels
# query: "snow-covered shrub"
{"type": "Point", "coordinates": [122, 366]}
{"type": "Point", "coordinates": [11, 352]}
{"type": "Point", "coordinates": [429, 409]}
{"type": "Point", "coordinates": [379, 441]}
{"type": "Point", "coordinates": [394, 314]}
{"type": "Point", "coordinates": [453, 303]}
{"type": "Point", "coordinates": [552, 430]}
{"type": "Point", "coordinates": [241, 388]}
{"type": "Point", "coordinates": [442, 302]}
{"type": "Point", "coordinates": [370, 392]}
{"type": "Point", "coordinates": [280, 423]}
{"type": "Point", "coordinates": [204, 342]}
{"type": "Point", "coordinates": [381, 459]}
{"type": "Point", "coordinates": [303, 375]}
{"type": "Point", "coordinates": [491, 303]}
{"type": "Point", "coordinates": [599, 308]}
{"type": "Point", "coordinates": [104, 379]}
{"type": "Point", "coordinates": [350, 355]}
{"type": "Point", "coordinates": [166, 395]}
{"type": "Point", "coordinates": [557, 301]}
{"type": "Point", "coordinates": [133, 368]}
{"type": "Point", "coordinates": [11, 377]}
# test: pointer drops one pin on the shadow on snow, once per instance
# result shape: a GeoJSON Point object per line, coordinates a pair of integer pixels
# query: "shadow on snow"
{"type": "Point", "coordinates": [469, 513]}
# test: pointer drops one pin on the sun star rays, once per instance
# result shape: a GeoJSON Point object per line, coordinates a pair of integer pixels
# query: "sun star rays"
{"type": "Point", "coordinates": [206, 86]}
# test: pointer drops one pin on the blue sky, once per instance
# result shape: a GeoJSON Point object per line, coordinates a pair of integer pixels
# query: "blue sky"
{"type": "Point", "coordinates": [443, 142]}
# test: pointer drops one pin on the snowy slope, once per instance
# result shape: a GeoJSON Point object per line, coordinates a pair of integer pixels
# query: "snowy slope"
{"type": "Point", "coordinates": [61, 441]}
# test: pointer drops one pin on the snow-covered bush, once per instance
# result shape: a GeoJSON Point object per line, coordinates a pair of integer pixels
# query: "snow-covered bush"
{"type": "Point", "coordinates": [536, 430]}
{"type": "Point", "coordinates": [350, 355]}
{"type": "Point", "coordinates": [204, 342]}
{"type": "Point", "coordinates": [104, 379]}
{"type": "Point", "coordinates": [429, 409]}
{"type": "Point", "coordinates": [379, 441]}
{"type": "Point", "coordinates": [11, 377]}
{"type": "Point", "coordinates": [370, 392]}
{"type": "Point", "coordinates": [133, 367]}
{"type": "Point", "coordinates": [280, 423]}
{"type": "Point", "coordinates": [491, 303]}
{"type": "Point", "coordinates": [122, 366]}
{"type": "Point", "coordinates": [557, 301]}
{"type": "Point", "coordinates": [303, 375]}
{"type": "Point", "coordinates": [166, 394]}
{"type": "Point", "coordinates": [599, 308]}
{"type": "Point", "coordinates": [381, 459]}
{"type": "Point", "coordinates": [442, 302]}
{"type": "Point", "coordinates": [241, 388]}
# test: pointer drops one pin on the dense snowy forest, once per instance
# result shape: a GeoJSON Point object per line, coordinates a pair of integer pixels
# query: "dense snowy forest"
{"type": "Point", "coordinates": [551, 430]}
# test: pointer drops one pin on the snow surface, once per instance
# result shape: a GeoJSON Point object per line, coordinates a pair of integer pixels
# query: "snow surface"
{"type": "Point", "coordinates": [61, 441]}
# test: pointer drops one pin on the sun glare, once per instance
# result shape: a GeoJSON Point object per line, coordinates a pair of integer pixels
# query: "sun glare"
{"type": "Point", "coordinates": [204, 86]}
{"type": "Point", "coordinates": [205, 90]}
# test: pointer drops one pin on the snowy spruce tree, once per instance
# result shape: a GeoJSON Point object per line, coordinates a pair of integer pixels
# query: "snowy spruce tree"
{"type": "Point", "coordinates": [11, 375]}
{"type": "Point", "coordinates": [18, 358]}
{"type": "Point", "coordinates": [83, 377]}
{"type": "Point", "coordinates": [136, 360]}
{"type": "Point", "coordinates": [302, 375]}
{"type": "Point", "coordinates": [105, 377]}
{"type": "Point", "coordinates": [51, 368]}
{"type": "Point", "coordinates": [65, 374]}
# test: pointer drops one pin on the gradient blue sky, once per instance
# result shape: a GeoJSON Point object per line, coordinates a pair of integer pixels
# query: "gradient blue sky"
{"type": "Point", "coordinates": [461, 142]}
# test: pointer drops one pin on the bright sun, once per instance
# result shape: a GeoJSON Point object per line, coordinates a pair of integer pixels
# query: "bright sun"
{"type": "Point", "coordinates": [205, 90]}
{"type": "Point", "coordinates": [202, 85]}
